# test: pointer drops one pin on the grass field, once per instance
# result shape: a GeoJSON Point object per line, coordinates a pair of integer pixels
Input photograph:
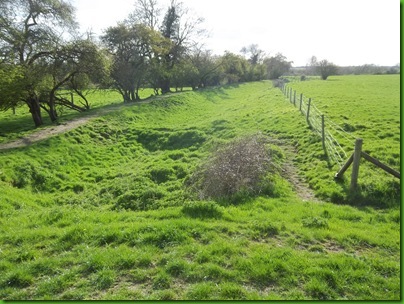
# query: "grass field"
{"type": "Point", "coordinates": [101, 213]}
{"type": "Point", "coordinates": [366, 107]}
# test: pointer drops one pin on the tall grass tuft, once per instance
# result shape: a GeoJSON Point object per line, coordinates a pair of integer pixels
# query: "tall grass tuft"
{"type": "Point", "coordinates": [202, 209]}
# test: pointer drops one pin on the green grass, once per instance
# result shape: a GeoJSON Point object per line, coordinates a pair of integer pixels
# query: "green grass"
{"type": "Point", "coordinates": [365, 107]}
{"type": "Point", "coordinates": [101, 212]}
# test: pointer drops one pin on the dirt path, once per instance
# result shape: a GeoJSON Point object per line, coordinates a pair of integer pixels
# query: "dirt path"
{"type": "Point", "coordinates": [45, 133]}
{"type": "Point", "coordinates": [289, 172]}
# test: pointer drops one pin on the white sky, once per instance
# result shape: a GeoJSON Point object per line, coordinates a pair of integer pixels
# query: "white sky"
{"type": "Point", "coordinates": [345, 32]}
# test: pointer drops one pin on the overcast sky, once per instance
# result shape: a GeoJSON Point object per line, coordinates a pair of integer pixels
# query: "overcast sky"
{"type": "Point", "coordinates": [346, 32]}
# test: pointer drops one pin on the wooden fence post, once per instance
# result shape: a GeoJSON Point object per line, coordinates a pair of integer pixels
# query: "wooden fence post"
{"type": "Point", "coordinates": [356, 161]}
{"type": "Point", "coordinates": [344, 167]}
{"type": "Point", "coordinates": [294, 99]}
{"type": "Point", "coordinates": [308, 111]}
{"type": "Point", "coordinates": [379, 164]}
{"type": "Point", "coordinates": [323, 132]}
{"type": "Point", "coordinates": [301, 100]}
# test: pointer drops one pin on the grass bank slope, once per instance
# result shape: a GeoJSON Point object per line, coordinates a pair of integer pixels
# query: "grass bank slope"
{"type": "Point", "coordinates": [101, 213]}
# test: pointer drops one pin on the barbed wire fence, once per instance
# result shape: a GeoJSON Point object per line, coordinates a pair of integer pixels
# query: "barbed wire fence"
{"type": "Point", "coordinates": [341, 147]}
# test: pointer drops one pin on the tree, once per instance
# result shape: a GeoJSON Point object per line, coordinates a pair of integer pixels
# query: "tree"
{"type": "Point", "coordinates": [74, 66]}
{"type": "Point", "coordinates": [326, 68]}
{"type": "Point", "coordinates": [30, 30]}
{"type": "Point", "coordinates": [255, 55]}
{"type": "Point", "coordinates": [134, 48]}
{"type": "Point", "coordinates": [31, 44]}
{"type": "Point", "coordinates": [169, 29]}
{"type": "Point", "coordinates": [147, 12]}
{"type": "Point", "coordinates": [277, 66]}
{"type": "Point", "coordinates": [184, 74]}
{"type": "Point", "coordinates": [311, 66]}
{"type": "Point", "coordinates": [182, 29]}
{"type": "Point", "coordinates": [208, 68]}
{"type": "Point", "coordinates": [234, 68]}
{"type": "Point", "coordinates": [11, 86]}
{"type": "Point", "coordinates": [256, 70]}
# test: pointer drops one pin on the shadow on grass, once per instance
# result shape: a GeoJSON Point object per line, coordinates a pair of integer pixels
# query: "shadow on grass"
{"type": "Point", "coordinates": [362, 197]}
{"type": "Point", "coordinates": [213, 94]}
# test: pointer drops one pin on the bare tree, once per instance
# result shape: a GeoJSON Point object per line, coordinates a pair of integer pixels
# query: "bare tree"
{"type": "Point", "coordinates": [311, 66]}
{"type": "Point", "coordinates": [255, 54]}
{"type": "Point", "coordinates": [147, 12]}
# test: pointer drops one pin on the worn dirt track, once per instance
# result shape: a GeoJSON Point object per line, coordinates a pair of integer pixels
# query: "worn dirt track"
{"type": "Point", "coordinates": [290, 172]}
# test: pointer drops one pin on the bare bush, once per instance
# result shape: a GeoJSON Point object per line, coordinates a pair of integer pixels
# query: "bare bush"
{"type": "Point", "coordinates": [239, 167]}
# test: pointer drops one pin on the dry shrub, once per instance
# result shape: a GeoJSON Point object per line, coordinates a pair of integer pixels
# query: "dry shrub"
{"type": "Point", "coordinates": [238, 168]}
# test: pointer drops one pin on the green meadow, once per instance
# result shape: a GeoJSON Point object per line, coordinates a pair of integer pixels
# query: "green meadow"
{"type": "Point", "coordinates": [366, 107]}
{"type": "Point", "coordinates": [104, 211]}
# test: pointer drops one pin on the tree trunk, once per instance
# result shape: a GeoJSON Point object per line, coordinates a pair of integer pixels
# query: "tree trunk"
{"type": "Point", "coordinates": [132, 95]}
{"type": "Point", "coordinates": [137, 97]}
{"type": "Point", "coordinates": [52, 109]}
{"type": "Point", "coordinates": [165, 86]}
{"type": "Point", "coordinates": [126, 96]}
{"type": "Point", "coordinates": [52, 114]}
{"type": "Point", "coordinates": [35, 111]}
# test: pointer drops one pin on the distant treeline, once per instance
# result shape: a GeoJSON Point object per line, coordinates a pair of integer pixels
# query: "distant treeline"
{"type": "Point", "coordinates": [366, 69]}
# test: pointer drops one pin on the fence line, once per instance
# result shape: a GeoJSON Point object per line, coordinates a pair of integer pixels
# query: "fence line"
{"type": "Point", "coordinates": [315, 118]}
{"type": "Point", "coordinates": [331, 146]}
